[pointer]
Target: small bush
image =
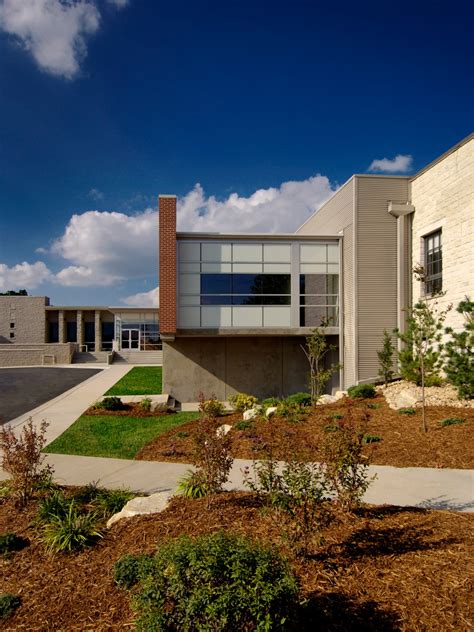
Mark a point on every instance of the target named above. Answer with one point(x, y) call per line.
point(373, 405)
point(112, 403)
point(192, 485)
point(303, 399)
point(110, 501)
point(216, 582)
point(243, 425)
point(366, 439)
point(145, 404)
point(407, 411)
point(211, 408)
point(10, 542)
point(452, 421)
point(291, 411)
point(242, 402)
point(8, 604)
point(362, 391)
point(270, 401)
point(129, 569)
point(55, 504)
point(73, 531)
point(23, 461)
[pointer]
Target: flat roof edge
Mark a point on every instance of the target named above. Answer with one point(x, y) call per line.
point(255, 236)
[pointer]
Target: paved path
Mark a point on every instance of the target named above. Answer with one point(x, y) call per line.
point(63, 410)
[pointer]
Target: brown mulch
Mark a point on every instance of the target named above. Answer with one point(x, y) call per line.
point(403, 442)
point(129, 410)
point(385, 568)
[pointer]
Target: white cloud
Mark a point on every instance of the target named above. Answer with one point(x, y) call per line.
point(81, 276)
point(272, 210)
point(400, 164)
point(143, 299)
point(95, 195)
point(23, 275)
point(53, 31)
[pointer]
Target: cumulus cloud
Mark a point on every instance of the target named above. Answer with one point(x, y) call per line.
point(143, 299)
point(400, 164)
point(81, 276)
point(53, 31)
point(23, 275)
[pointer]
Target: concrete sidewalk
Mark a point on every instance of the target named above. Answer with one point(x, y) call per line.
point(413, 487)
point(62, 411)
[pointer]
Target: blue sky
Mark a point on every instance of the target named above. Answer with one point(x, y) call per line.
point(252, 112)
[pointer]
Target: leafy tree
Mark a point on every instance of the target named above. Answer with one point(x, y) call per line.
point(421, 358)
point(316, 350)
point(459, 352)
point(385, 356)
point(13, 293)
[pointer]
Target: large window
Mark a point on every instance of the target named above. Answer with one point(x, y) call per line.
point(257, 284)
point(433, 263)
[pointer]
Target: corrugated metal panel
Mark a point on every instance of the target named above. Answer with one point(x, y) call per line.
point(334, 215)
point(349, 338)
point(376, 266)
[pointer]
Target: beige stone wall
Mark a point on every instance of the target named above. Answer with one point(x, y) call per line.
point(28, 315)
point(443, 197)
point(36, 354)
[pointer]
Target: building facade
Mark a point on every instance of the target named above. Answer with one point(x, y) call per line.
point(238, 307)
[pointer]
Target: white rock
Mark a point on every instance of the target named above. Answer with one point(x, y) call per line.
point(142, 505)
point(271, 410)
point(159, 407)
point(250, 414)
point(326, 399)
point(405, 399)
point(339, 394)
point(223, 430)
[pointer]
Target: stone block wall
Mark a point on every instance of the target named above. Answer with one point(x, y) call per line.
point(27, 315)
point(33, 354)
point(443, 197)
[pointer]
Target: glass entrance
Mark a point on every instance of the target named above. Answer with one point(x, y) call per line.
point(130, 339)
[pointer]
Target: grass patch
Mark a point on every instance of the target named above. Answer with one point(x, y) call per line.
point(141, 380)
point(115, 437)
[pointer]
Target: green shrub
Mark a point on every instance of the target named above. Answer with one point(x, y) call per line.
point(145, 404)
point(270, 401)
point(129, 569)
point(10, 542)
point(216, 582)
point(192, 485)
point(459, 352)
point(366, 439)
point(112, 403)
point(362, 391)
point(452, 421)
point(242, 402)
point(303, 399)
point(8, 604)
point(111, 501)
point(87, 493)
point(211, 407)
point(407, 411)
point(55, 504)
point(373, 405)
point(243, 425)
point(73, 531)
point(291, 411)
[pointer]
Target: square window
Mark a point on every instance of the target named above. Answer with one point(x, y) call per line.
point(12, 334)
point(12, 325)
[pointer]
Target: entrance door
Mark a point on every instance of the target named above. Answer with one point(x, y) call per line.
point(130, 339)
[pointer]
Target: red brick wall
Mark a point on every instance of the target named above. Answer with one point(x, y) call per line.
point(167, 259)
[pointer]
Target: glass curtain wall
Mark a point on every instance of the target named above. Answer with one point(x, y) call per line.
point(239, 284)
point(137, 331)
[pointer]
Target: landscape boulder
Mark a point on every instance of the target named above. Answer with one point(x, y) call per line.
point(327, 399)
point(250, 414)
point(142, 505)
point(271, 410)
point(407, 398)
point(223, 430)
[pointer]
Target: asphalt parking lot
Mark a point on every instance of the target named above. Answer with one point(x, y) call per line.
point(26, 388)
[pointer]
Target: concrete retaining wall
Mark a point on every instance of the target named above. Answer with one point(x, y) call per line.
point(36, 354)
point(261, 366)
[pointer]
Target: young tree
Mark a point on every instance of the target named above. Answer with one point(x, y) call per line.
point(316, 350)
point(459, 352)
point(385, 356)
point(421, 358)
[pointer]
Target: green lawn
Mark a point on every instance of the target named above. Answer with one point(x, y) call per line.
point(141, 380)
point(115, 437)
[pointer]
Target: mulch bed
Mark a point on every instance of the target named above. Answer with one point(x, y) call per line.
point(385, 568)
point(403, 442)
point(129, 410)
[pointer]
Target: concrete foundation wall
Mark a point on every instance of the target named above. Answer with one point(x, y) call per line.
point(36, 354)
point(223, 366)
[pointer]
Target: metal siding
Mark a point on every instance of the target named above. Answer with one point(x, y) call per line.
point(377, 267)
point(333, 216)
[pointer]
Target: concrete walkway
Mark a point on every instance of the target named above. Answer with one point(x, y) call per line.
point(63, 410)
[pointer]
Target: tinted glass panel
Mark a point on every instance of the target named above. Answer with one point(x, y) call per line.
point(216, 283)
point(247, 283)
point(53, 332)
point(256, 299)
point(71, 332)
point(215, 300)
point(276, 283)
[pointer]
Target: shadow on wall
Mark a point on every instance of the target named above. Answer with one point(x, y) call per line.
point(264, 367)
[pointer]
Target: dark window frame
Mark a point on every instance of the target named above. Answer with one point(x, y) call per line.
point(433, 262)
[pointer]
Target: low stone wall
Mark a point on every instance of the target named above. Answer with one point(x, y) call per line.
point(36, 354)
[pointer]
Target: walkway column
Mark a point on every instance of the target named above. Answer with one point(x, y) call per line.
point(80, 327)
point(61, 326)
point(98, 331)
